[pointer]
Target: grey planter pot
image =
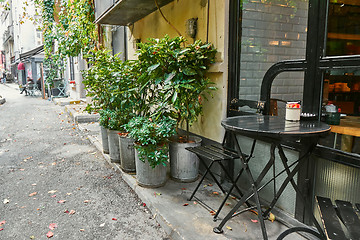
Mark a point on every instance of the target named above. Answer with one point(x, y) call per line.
point(104, 139)
point(184, 165)
point(114, 149)
point(127, 154)
point(149, 177)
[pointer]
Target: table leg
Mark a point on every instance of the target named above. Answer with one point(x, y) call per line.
point(347, 143)
point(296, 188)
point(249, 194)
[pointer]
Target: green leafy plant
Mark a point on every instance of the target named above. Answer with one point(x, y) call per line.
point(104, 118)
point(74, 31)
point(151, 138)
point(110, 83)
point(189, 85)
point(172, 78)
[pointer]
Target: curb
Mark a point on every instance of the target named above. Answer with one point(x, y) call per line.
point(131, 181)
point(80, 118)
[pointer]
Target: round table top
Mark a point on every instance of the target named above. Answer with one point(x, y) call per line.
point(274, 126)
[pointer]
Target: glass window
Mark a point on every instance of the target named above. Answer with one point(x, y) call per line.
point(341, 89)
point(343, 36)
point(271, 31)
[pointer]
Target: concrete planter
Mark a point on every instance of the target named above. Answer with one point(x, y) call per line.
point(184, 165)
point(104, 139)
point(114, 148)
point(127, 154)
point(149, 177)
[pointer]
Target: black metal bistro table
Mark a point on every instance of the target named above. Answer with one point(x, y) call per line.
point(276, 131)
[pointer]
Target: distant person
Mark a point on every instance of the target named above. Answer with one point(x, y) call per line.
point(38, 83)
point(29, 81)
point(3, 77)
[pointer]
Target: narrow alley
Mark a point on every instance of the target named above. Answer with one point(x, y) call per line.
point(54, 182)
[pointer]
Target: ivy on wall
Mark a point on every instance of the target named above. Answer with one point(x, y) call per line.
point(69, 30)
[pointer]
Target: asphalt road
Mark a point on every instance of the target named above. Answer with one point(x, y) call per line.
point(53, 180)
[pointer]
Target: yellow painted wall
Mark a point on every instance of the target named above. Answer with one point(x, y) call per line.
point(177, 12)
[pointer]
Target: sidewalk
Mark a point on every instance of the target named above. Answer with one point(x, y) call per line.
point(183, 219)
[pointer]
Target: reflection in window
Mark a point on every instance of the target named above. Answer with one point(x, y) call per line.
point(341, 91)
point(343, 36)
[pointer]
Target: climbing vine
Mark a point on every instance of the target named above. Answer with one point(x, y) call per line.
point(68, 30)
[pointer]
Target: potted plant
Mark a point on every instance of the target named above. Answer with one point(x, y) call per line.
point(102, 85)
point(152, 126)
point(189, 87)
point(151, 144)
point(104, 122)
point(179, 70)
point(126, 92)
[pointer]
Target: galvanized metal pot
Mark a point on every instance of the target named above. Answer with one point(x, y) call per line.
point(114, 148)
point(104, 139)
point(127, 154)
point(184, 165)
point(149, 177)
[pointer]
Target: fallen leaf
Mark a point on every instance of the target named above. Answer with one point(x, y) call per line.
point(272, 217)
point(185, 204)
point(72, 212)
point(52, 191)
point(2, 223)
point(114, 219)
point(50, 234)
point(32, 194)
point(254, 221)
point(52, 226)
point(229, 228)
point(61, 201)
point(6, 201)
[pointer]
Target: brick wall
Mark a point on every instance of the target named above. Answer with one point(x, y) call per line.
point(272, 33)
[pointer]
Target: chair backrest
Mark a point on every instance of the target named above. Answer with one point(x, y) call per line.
point(246, 107)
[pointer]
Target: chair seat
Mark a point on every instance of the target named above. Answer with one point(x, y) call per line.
point(214, 152)
point(332, 217)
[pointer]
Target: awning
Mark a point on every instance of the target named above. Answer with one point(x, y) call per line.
point(124, 12)
point(31, 53)
point(21, 66)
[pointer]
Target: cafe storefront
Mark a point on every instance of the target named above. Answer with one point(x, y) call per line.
point(276, 50)
point(306, 51)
